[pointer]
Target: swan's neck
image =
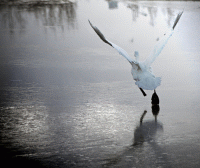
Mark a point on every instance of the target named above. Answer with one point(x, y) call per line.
point(137, 58)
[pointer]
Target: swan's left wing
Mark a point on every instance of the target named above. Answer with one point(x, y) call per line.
point(161, 44)
point(121, 51)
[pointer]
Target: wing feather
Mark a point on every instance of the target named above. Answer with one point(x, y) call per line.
point(119, 49)
point(161, 43)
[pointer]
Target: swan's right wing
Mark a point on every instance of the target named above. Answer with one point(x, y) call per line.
point(122, 52)
point(158, 48)
point(161, 43)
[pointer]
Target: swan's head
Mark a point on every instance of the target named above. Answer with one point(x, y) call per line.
point(136, 55)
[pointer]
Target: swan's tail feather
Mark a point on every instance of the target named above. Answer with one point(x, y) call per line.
point(157, 82)
point(149, 83)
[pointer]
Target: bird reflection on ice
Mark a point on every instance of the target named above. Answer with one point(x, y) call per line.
point(145, 150)
point(146, 132)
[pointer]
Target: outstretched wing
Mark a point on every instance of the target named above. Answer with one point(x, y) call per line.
point(119, 49)
point(161, 43)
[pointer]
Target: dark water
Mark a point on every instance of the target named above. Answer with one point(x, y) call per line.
point(68, 99)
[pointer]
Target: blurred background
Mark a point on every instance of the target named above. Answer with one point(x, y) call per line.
point(69, 100)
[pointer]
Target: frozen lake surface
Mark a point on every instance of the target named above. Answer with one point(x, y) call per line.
point(69, 100)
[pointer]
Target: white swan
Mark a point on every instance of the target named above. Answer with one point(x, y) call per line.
point(141, 71)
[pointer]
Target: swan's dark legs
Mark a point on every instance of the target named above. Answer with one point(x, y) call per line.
point(154, 98)
point(142, 91)
point(155, 110)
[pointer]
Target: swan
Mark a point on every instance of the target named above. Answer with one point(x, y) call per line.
point(142, 71)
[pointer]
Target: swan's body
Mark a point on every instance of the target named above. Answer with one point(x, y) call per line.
point(142, 71)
